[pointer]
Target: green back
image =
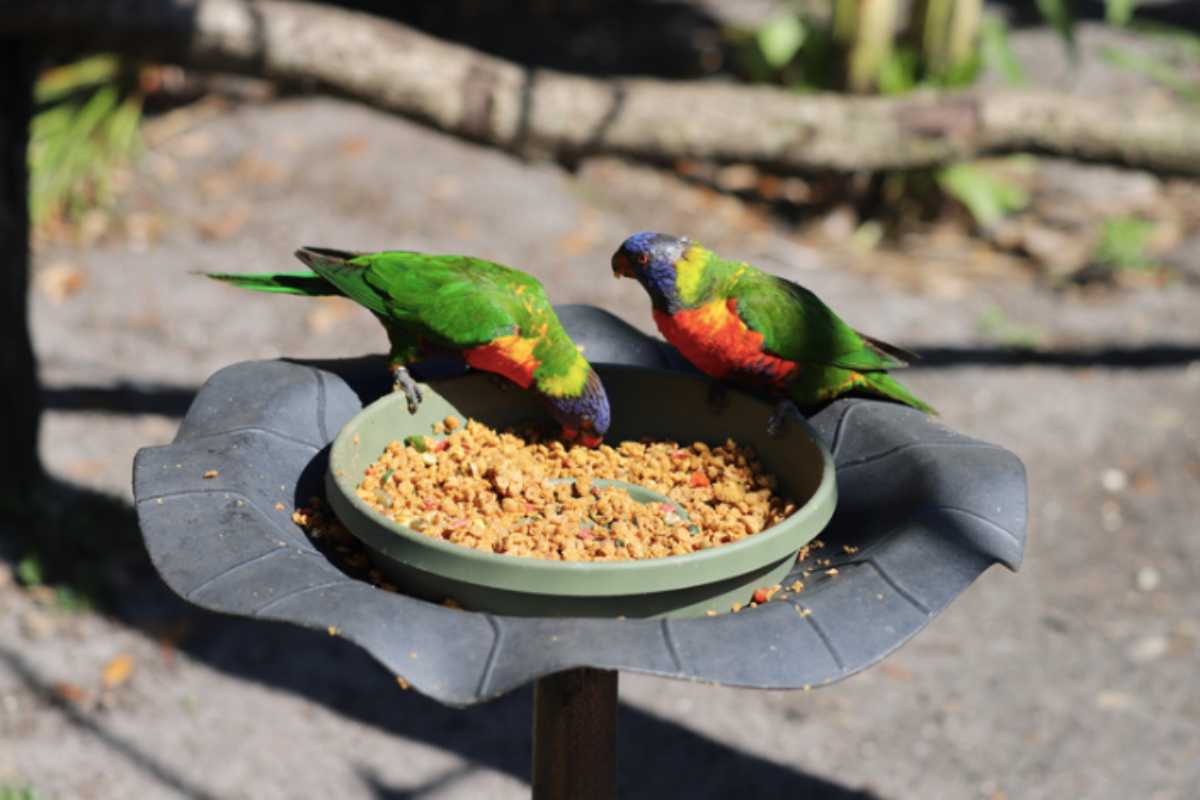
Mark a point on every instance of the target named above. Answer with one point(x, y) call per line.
point(793, 321)
point(457, 302)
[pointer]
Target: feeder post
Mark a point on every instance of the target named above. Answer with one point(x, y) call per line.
point(575, 735)
point(20, 403)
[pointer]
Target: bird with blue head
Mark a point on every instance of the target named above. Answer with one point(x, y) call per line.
point(743, 326)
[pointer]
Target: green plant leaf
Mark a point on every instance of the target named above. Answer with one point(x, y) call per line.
point(87, 126)
point(1123, 244)
point(997, 53)
point(72, 600)
point(898, 73)
point(1155, 69)
point(780, 40)
point(18, 793)
point(121, 129)
point(961, 74)
point(1061, 16)
point(50, 123)
point(1184, 40)
point(1119, 12)
point(58, 83)
point(29, 570)
point(988, 197)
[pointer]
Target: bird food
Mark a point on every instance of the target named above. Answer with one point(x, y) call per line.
point(505, 492)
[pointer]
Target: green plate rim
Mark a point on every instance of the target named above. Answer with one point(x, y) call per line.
point(539, 576)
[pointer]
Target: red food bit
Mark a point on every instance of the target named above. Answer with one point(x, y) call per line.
point(585, 534)
point(458, 523)
point(440, 445)
point(679, 454)
point(699, 479)
point(428, 505)
point(761, 596)
point(666, 508)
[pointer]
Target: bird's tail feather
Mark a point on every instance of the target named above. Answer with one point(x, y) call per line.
point(324, 256)
point(309, 284)
point(883, 384)
point(901, 356)
point(348, 272)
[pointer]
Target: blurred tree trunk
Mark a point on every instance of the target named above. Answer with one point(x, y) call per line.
point(20, 403)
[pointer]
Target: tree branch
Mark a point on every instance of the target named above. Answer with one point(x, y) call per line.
point(487, 99)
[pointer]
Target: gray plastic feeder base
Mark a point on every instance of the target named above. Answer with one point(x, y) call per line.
point(928, 510)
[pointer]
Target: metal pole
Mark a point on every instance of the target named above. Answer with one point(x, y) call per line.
point(575, 735)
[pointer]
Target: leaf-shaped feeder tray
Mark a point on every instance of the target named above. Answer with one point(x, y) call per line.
point(922, 512)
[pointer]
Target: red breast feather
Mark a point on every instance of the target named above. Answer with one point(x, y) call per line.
point(510, 356)
point(716, 341)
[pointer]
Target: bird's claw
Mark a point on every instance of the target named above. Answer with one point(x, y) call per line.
point(718, 396)
point(778, 419)
point(403, 382)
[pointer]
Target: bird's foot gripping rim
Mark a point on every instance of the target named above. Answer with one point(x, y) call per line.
point(402, 381)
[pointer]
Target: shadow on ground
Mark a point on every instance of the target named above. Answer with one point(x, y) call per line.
point(173, 401)
point(90, 542)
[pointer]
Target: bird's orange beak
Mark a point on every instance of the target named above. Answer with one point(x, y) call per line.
point(621, 266)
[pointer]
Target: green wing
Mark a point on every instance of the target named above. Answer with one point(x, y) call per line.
point(460, 301)
point(796, 325)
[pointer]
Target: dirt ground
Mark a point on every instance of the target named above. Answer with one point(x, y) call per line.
point(1073, 679)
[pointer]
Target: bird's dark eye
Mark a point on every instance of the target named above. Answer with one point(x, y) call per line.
point(643, 259)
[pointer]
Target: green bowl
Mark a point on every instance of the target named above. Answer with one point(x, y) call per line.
point(645, 402)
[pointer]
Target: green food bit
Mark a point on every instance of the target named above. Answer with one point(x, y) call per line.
point(418, 443)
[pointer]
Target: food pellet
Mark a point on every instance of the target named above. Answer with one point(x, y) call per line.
point(507, 493)
point(765, 593)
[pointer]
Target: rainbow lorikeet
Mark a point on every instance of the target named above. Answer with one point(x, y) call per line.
point(741, 325)
point(495, 318)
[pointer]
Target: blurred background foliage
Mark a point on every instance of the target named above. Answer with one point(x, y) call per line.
point(893, 47)
point(86, 133)
point(888, 47)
